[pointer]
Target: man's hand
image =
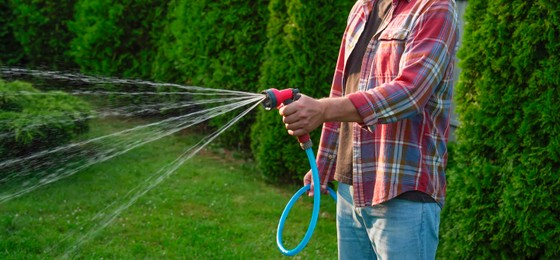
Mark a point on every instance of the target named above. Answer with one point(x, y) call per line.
point(308, 179)
point(303, 116)
point(306, 114)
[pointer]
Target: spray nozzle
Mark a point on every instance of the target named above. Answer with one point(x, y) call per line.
point(276, 98)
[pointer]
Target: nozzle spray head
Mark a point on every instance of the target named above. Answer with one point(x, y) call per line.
point(276, 98)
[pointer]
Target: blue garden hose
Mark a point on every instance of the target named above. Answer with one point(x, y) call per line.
point(314, 214)
point(275, 99)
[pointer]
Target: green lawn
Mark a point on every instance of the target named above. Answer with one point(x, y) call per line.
point(213, 207)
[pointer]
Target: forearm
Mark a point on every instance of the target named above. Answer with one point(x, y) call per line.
point(339, 109)
point(307, 113)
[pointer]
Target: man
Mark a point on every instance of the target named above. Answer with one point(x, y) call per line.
point(385, 127)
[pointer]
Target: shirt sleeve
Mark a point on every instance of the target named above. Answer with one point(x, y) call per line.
point(428, 51)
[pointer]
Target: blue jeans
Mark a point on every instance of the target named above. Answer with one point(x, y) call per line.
point(396, 229)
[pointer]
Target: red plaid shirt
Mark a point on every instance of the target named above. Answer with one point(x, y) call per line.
point(404, 100)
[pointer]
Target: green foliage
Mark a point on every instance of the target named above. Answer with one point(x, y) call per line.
point(216, 45)
point(36, 32)
point(503, 194)
point(116, 38)
point(119, 39)
point(303, 41)
point(12, 51)
point(33, 122)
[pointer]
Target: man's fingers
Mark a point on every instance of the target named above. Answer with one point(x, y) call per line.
point(297, 132)
point(286, 110)
point(308, 180)
point(324, 189)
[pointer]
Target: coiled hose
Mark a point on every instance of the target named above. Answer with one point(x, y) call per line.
point(314, 214)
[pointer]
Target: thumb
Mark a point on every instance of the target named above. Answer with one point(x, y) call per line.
point(308, 180)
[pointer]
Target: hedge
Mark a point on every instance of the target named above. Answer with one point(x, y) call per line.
point(303, 42)
point(503, 194)
point(12, 50)
point(36, 33)
point(116, 38)
point(37, 120)
point(215, 45)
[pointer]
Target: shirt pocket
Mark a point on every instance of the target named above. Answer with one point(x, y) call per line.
point(391, 46)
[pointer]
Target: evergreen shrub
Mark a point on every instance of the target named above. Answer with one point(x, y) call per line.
point(504, 186)
point(12, 51)
point(36, 121)
point(215, 44)
point(303, 42)
point(36, 33)
point(116, 38)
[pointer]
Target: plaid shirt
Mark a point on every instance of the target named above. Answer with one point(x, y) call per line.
point(404, 100)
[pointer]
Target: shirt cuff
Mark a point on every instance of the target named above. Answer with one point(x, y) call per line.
point(365, 109)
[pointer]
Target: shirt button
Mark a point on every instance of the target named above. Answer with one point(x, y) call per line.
point(330, 157)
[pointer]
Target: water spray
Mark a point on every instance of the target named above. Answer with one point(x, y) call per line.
point(275, 99)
